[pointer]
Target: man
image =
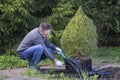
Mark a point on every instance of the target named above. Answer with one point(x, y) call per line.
point(35, 47)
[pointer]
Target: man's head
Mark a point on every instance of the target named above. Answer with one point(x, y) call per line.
point(44, 29)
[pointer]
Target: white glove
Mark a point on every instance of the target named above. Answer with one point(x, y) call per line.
point(58, 63)
point(59, 50)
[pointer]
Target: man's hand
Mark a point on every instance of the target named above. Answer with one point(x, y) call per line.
point(58, 63)
point(59, 50)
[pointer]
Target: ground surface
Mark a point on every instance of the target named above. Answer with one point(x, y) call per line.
point(16, 74)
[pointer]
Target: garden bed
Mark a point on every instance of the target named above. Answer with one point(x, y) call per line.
point(113, 73)
point(60, 72)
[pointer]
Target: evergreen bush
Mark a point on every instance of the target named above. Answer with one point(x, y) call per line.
point(80, 36)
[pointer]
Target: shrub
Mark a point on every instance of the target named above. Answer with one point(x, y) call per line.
point(80, 35)
point(11, 61)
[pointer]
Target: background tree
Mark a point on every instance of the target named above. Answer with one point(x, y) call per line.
point(17, 17)
point(61, 14)
point(106, 16)
point(14, 19)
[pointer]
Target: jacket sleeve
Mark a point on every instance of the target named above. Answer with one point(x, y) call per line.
point(39, 41)
point(49, 44)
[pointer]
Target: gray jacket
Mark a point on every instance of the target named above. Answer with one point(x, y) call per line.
point(34, 38)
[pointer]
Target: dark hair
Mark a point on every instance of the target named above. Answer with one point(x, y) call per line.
point(44, 26)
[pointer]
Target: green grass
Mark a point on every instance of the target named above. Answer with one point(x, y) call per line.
point(11, 61)
point(2, 77)
point(106, 54)
point(61, 76)
point(45, 62)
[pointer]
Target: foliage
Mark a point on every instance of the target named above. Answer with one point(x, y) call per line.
point(2, 77)
point(31, 72)
point(11, 61)
point(80, 35)
point(106, 54)
point(105, 14)
point(61, 15)
point(43, 8)
point(17, 17)
point(61, 76)
point(14, 17)
point(86, 77)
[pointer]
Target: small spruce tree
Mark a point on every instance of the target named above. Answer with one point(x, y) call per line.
point(80, 36)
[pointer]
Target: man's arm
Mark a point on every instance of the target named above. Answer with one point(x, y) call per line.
point(48, 54)
point(39, 41)
point(49, 44)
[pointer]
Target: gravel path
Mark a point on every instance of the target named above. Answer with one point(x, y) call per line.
point(16, 74)
point(108, 64)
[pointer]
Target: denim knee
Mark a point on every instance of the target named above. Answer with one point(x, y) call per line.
point(20, 54)
point(39, 47)
point(29, 53)
point(39, 50)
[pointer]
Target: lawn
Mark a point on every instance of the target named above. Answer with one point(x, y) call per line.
point(106, 54)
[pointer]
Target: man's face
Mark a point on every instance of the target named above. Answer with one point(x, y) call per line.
point(45, 33)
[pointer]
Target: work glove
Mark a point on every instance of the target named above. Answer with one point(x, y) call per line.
point(59, 50)
point(58, 63)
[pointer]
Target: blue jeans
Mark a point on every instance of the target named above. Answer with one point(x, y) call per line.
point(34, 54)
